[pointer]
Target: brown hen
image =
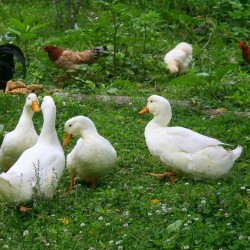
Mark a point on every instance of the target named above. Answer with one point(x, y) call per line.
point(71, 60)
point(245, 51)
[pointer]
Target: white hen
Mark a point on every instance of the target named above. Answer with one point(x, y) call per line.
point(93, 156)
point(22, 137)
point(40, 167)
point(179, 58)
point(185, 151)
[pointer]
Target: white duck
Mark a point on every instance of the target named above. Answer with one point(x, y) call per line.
point(93, 156)
point(40, 167)
point(184, 151)
point(179, 58)
point(22, 137)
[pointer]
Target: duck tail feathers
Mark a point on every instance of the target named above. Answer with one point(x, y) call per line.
point(235, 154)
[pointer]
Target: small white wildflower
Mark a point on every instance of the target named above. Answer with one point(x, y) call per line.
point(64, 104)
point(125, 225)
point(248, 190)
point(100, 218)
point(76, 26)
point(189, 215)
point(218, 193)
point(185, 225)
point(170, 209)
point(248, 237)
point(189, 222)
point(125, 213)
point(80, 232)
point(125, 235)
point(184, 209)
point(203, 202)
point(243, 188)
point(164, 208)
point(228, 224)
point(241, 237)
point(82, 225)
point(107, 224)
point(196, 218)
point(111, 242)
point(186, 247)
point(47, 244)
point(118, 242)
point(221, 209)
point(226, 215)
point(25, 232)
point(158, 212)
point(149, 214)
point(186, 183)
point(5, 246)
point(219, 183)
point(91, 248)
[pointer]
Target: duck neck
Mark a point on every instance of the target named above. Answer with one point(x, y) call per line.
point(26, 118)
point(87, 133)
point(48, 133)
point(162, 118)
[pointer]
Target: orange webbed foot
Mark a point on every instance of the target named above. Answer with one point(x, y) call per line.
point(170, 175)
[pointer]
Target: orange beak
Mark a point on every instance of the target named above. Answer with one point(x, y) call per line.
point(143, 111)
point(67, 138)
point(35, 106)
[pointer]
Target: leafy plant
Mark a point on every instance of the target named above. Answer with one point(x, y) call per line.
point(24, 30)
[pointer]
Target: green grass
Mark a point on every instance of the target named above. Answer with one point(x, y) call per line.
point(128, 209)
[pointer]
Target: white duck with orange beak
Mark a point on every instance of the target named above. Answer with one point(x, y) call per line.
point(22, 137)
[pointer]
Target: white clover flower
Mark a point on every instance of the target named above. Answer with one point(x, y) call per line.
point(149, 214)
point(184, 209)
point(243, 188)
point(226, 215)
point(158, 212)
point(25, 232)
point(186, 247)
point(241, 237)
point(203, 202)
point(186, 183)
point(196, 218)
point(82, 225)
point(111, 242)
point(185, 225)
point(118, 242)
point(125, 213)
point(5, 246)
point(107, 224)
point(125, 225)
point(100, 218)
point(164, 208)
point(120, 247)
point(229, 224)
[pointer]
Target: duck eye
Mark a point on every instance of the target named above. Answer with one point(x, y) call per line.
point(70, 125)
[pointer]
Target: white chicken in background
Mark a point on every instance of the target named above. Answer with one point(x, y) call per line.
point(179, 58)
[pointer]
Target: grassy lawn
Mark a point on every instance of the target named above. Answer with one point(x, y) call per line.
point(129, 209)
